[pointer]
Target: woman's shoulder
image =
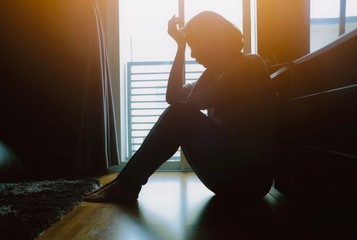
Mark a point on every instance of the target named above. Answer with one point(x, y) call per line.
point(248, 64)
point(248, 59)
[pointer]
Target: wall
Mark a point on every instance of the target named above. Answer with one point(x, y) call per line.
point(283, 30)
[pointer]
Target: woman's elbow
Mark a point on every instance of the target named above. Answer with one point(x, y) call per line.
point(174, 98)
point(171, 99)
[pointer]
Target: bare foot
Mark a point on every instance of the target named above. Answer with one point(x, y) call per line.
point(112, 192)
point(102, 187)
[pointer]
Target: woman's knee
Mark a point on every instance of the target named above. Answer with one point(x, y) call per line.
point(182, 108)
point(179, 112)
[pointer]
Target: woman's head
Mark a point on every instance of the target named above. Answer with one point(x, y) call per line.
point(212, 37)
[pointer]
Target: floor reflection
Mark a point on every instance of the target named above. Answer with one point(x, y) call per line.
point(216, 219)
point(226, 219)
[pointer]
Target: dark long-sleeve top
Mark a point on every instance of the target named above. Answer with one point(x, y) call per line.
point(241, 100)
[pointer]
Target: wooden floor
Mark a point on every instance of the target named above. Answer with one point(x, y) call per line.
point(176, 206)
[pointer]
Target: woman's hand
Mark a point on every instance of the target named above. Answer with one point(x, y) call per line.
point(173, 30)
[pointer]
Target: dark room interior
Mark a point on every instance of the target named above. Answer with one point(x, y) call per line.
point(58, 121)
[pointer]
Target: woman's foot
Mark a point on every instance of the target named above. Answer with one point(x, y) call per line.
point(112, 192)
point(102, 187)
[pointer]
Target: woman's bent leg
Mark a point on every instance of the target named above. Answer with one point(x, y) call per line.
point(204, 143)
point(161, 143)
point(176, 124)
point(208, 148)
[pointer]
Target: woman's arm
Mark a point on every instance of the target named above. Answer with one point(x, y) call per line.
point(241, 81)
point(175, 91)
point(248, 79)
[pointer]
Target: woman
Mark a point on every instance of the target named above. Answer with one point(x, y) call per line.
point(231, 150)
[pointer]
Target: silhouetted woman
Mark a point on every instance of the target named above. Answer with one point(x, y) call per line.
point(232, 149)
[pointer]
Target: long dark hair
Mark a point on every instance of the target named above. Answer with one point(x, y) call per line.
point(213, 27)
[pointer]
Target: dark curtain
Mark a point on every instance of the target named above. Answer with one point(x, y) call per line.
point(57, 117)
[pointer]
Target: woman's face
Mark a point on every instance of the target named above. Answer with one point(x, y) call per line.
point(203, 51)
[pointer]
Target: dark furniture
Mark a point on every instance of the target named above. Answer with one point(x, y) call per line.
point(317, 97)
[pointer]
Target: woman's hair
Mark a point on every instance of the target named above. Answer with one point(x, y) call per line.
point(211, 26)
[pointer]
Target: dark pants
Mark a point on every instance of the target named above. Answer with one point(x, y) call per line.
point(209, 150)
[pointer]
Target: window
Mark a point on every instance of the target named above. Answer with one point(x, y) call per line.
point(146, 54)
point(329, 19)
point(351, 15)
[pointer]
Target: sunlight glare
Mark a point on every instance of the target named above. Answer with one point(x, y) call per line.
point(331, 8)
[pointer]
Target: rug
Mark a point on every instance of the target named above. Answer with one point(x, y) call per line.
point(29, 208)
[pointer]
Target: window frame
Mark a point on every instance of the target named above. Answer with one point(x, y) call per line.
point(249, 31)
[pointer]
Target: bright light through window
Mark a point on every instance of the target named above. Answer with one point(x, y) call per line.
point(325, 8)
point(146, 52)
point(351, 8)
point(325, 21)
point(143, 25)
